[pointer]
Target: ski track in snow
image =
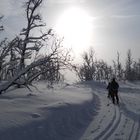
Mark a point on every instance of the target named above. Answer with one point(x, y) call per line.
point(77, 112)
point(114, 122)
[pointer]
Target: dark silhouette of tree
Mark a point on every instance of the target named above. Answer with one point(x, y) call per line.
point(16, 70)
point(118, 71)
point(1, 26)
point(138, 68)
point(4, 54)
point(128, 69)
point(103, 71)
point(30, 42)
point(87, 69)
point(91, 68)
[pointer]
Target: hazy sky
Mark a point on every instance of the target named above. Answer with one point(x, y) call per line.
point(108, 25)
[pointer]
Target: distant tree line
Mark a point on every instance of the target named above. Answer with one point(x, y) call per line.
point(21, 60)
point(93, 69)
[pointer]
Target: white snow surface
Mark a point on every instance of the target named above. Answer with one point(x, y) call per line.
point(70, 112)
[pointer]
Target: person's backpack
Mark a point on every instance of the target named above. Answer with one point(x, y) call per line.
point(114, 86)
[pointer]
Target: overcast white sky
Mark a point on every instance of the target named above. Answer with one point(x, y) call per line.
point(116, 23)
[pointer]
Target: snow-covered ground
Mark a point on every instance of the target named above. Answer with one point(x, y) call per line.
point(115, 122)
point(70, 112)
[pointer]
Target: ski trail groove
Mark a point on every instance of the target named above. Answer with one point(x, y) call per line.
point(108, 131)
point(114, 126)
point(138, 131)
point(108, 127)
point(132, 131)
point(121, 123)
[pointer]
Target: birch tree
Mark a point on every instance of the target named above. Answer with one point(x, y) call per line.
point(129, 62)
point(27, 43)
point(34, 23)
point(1, 26)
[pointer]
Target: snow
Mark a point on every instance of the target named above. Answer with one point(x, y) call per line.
point(70, 112)
point(115, 122)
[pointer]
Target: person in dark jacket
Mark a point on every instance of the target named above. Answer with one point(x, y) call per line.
point(114, 86)
point(109, 89)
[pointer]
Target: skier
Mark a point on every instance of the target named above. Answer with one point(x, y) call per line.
point(114, 86)
point(109, 90)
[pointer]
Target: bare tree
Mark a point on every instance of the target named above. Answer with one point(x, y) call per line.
point(138, 65)
point(129, 62)
point(14, 57)
point(57, 56)
point(30, 42)
point(117, 68)
point(87, 70)
point(1, 26)
point(4, 52)
point(135, 72)
point(103, 71)
point(93, 69)
point(22, 48)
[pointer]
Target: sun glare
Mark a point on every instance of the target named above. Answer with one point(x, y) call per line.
point(76, 27)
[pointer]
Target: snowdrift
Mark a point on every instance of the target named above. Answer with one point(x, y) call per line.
point(55, 114)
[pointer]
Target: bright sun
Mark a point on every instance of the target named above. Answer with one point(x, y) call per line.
point(76, 27)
